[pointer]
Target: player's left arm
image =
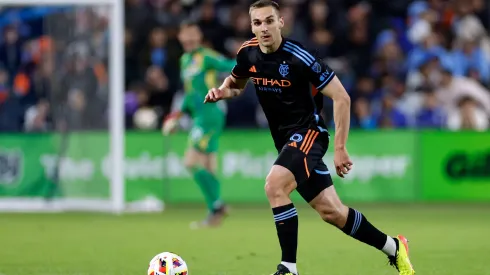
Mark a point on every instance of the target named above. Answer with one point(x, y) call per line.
point(327, 83)
point(341, 109)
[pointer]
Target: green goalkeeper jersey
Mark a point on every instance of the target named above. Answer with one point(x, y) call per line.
point(199, 70)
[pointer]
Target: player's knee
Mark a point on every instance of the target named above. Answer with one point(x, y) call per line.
point(273, 190)
point(192, 163)
point(279, 183)
point(193, 160)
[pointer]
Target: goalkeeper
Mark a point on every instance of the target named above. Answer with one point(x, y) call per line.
point(199, 67)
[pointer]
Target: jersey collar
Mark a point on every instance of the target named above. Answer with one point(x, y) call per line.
point(278, 49)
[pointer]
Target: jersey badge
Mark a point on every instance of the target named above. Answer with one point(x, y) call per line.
point(284, 69)
point(316, 68)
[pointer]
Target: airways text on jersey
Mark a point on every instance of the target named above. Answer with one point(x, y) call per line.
point(270, 85)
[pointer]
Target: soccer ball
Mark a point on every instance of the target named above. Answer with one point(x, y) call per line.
point(167, 263)
point(145, 119)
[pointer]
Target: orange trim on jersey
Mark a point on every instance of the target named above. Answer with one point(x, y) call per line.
point(249, 43)
point(314, 91)
point(237, 76)
point(306, 168)
point(307, 137)
point(252, 69)
point(312, 140)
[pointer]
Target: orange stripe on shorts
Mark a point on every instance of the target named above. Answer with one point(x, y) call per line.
point(305, 141)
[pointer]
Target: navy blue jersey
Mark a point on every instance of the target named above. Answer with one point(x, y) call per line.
point(283, 82)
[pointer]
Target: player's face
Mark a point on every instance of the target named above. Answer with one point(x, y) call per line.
point(266, 25)
point(190, 38)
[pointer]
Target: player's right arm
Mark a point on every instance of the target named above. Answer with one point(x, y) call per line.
point(235, 83)
point(230, 88)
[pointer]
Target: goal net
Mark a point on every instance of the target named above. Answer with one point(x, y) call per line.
point(74, 160)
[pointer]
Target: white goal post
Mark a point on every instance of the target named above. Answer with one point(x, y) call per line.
point(116, 202)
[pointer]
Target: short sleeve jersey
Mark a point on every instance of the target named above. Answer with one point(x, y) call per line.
point(287, 82)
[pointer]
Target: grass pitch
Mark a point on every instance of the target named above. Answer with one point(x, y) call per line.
point(444, 239)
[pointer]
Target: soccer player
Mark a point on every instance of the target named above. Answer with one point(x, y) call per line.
point(282, 72)
point(199, 66)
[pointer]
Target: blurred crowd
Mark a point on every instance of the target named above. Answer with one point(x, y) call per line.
point(405, 64)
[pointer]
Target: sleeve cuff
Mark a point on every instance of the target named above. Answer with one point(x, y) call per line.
point(237, 76)
point(324, 83)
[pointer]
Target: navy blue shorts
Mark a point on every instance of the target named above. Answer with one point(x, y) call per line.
point(303, 156)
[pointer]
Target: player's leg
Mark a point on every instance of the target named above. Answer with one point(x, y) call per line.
point(289, 170)
point(194, 162)
point(220, 210)
point(320, 193)
point(280, 182)
point(204, 145)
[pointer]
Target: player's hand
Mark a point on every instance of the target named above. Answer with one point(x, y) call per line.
point(342, 162)
point(214, 95)
point(170, 124)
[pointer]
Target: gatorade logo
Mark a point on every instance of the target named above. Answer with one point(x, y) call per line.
point(468, 166)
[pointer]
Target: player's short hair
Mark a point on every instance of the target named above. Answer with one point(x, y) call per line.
point(265, 3)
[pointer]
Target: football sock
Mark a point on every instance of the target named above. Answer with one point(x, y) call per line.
point(286, 219)
point(290, 266)
point(214, 189)
point(358, 227)
point(201, 176)
point(390, 246)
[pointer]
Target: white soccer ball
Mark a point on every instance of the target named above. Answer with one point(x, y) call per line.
point(146, 119)
point(167, 263)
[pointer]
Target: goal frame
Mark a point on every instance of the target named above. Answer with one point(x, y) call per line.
point(116, 202)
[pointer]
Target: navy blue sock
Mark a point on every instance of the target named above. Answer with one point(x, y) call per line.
point(286, 219)
point(359, 228)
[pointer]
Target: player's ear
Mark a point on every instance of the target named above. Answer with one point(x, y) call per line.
point(281, 22)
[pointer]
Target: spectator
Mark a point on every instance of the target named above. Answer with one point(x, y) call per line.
point(468, 116)
point(390, 116)
point(365, 119)
point(11, 51)
point(431, 115)
point(159, 94)
point(452, 88)
point(36, 117)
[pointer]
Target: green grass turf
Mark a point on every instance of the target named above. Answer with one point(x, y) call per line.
point(445, 240)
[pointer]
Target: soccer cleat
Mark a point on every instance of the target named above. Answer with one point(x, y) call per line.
point(282, 270)
point(214, 219)
point(401, 260)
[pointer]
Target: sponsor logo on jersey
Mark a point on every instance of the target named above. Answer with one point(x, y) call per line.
point(324, 75)
point(282, 83)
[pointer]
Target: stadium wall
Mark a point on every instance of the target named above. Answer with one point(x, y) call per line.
point(389, 166)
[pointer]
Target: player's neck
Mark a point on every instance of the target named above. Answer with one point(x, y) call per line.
point(272, 48)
